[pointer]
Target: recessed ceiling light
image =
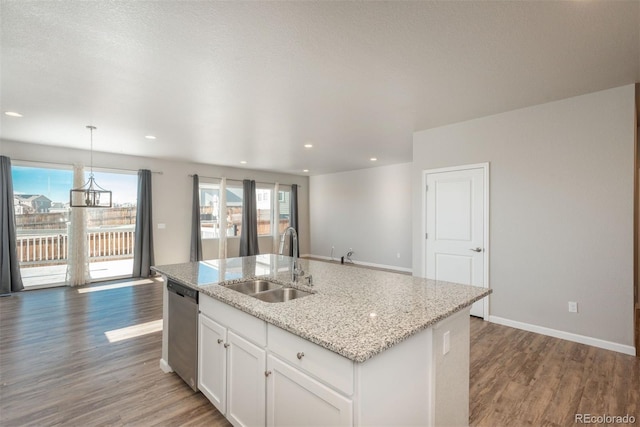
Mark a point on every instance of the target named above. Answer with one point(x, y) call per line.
point(243, 162)
point(12, 114)
point(308, 145)
point(373, 159)
point(150, 137)
point(305, 170)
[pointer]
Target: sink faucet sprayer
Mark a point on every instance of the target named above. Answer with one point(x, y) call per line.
point(297, 271)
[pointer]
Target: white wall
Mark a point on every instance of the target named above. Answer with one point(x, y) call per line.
point(171, 195)
point(561, 209)
point(368, 210)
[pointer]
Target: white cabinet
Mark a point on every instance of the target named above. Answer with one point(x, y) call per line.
point(245, 390)
point(212, 361)
point(305, 382)
point(296, 399)
point(231, 373)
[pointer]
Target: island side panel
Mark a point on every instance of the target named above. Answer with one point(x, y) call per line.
point(451, 391)
point(415, 383)
point(394, 387)
point(164, 365)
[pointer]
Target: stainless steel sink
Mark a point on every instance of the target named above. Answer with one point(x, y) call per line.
point(254, 286)
point(267, 291)
point(281, 295)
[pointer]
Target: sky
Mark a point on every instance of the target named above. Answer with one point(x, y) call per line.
point(56, 183)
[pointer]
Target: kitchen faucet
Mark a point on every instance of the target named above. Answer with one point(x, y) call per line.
point(297, 271)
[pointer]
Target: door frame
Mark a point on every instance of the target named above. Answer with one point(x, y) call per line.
point(423, 264)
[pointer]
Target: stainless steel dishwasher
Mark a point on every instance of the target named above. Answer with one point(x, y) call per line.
point(183, 332)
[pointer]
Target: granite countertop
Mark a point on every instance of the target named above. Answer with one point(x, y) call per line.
point(355, 312)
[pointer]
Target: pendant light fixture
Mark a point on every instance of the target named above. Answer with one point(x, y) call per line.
point(90, 195)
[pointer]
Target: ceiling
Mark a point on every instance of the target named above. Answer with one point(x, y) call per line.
point(224, 82)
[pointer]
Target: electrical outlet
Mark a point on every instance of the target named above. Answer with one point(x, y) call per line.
point(398, 255)
point(573, 307)
point(446, 342)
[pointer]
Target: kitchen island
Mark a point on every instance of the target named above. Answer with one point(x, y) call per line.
point(366, 348)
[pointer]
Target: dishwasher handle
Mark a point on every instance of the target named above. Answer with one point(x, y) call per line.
point(183, 291)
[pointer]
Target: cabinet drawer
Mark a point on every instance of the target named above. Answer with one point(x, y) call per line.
point(326, 365)
point(243, 323)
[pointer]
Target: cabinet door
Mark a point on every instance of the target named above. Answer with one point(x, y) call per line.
point(295, 399)
point(246, 392)
point(212, 361)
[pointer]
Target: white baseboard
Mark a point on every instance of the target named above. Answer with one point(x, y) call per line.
point(582, 339)
point(164, 366)
point(366, 264)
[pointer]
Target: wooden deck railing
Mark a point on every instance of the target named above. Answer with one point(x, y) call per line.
point(52, 249)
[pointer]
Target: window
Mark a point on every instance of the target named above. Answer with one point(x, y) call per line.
point(234, 210)
point(210, 211)
point(264, 211)
point(284, 199)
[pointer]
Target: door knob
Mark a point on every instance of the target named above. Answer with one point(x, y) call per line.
point(476, 249)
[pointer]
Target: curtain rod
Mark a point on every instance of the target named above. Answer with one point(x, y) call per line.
point(239, 180)
point(71, 164)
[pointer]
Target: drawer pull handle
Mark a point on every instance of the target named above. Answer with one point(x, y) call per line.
point(226, 345)
point(300, 355)
point(267, 373)
point(220, 341)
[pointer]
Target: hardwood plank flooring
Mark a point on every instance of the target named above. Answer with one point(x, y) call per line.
point(520, 378)
point(57, 368)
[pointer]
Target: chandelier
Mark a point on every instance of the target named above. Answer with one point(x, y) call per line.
point(90, 195)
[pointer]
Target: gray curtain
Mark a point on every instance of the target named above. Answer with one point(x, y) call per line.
point(10, 278)
point(196, 235)
point(249, 232)
point(143, 248)
point(294, 217)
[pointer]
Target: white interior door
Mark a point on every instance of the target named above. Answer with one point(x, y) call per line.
point(455, 224)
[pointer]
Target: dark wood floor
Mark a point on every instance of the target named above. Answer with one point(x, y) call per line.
point(520, 378)
point(57, 367)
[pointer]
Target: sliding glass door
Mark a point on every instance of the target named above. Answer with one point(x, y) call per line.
point(41, 204)
point(111, 231)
